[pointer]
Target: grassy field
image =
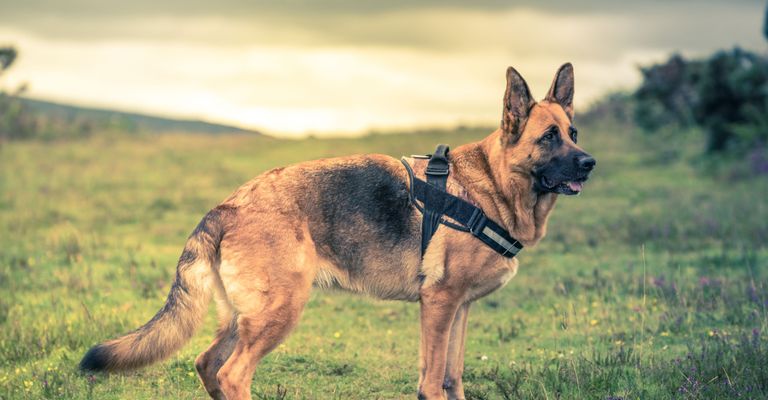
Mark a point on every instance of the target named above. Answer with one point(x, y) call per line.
point(650, 285)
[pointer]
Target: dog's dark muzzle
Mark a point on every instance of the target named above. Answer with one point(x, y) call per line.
point(564, 175)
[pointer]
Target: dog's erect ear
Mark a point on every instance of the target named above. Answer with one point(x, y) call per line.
point(561, 91)
point(517, 104)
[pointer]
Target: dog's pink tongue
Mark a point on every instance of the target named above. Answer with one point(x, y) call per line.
point(575, 186)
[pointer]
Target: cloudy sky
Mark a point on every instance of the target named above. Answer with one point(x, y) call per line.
point(347, 66)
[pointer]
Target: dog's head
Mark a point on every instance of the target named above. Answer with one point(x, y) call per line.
point(539, 138)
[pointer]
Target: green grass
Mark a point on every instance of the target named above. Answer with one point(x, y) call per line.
point(651, 284)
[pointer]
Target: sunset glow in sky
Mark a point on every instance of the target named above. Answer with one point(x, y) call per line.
point(343, 66)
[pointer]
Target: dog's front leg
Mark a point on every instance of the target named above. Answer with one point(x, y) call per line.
point(438, 309)
point(452, 383)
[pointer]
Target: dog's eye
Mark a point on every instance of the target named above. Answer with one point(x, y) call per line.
point(549, 135)
point(574, 134)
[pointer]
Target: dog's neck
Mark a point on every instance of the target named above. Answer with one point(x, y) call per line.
point(506, 197)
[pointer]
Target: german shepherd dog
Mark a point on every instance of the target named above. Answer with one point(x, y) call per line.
point(349, 223)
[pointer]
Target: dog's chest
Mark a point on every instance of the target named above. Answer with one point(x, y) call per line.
point(492, 277)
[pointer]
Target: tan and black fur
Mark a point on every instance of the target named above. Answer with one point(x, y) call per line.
point(348, 223)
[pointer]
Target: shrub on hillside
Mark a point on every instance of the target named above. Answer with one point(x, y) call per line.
point(15, 120)
point(726, 95)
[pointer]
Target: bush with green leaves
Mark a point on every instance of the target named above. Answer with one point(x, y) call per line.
point(725, 94)
point(15, 120)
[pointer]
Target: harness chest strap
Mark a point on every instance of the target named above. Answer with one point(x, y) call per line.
point(438, 203)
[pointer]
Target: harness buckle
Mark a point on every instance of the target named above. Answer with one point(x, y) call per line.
point(437, 170)
point(477, 222)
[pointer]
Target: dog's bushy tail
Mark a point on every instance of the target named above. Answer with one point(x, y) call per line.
point(184, 309)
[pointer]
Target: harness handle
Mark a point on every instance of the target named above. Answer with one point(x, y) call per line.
point(438, 162)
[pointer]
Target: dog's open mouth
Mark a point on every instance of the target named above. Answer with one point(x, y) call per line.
point(568, 188)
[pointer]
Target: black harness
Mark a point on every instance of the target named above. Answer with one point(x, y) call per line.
point(438, 203)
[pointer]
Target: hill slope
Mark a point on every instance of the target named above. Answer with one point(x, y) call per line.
point(128, 121)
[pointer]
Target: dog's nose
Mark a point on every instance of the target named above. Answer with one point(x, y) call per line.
point(586, 162)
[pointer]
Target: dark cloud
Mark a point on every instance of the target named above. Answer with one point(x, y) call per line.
point(681, 25)
point(37, 14)
point(313, 7)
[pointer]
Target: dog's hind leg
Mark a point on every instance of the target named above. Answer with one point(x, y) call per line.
point(259, 332)
point(210, 361)
point(454, 368)
point(268, 282)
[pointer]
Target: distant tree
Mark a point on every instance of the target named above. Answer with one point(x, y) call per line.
point(7, 57)
point(733, 93)
point(666, 95)
point(765, 24)
point(15, 120)
point(725, 94)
